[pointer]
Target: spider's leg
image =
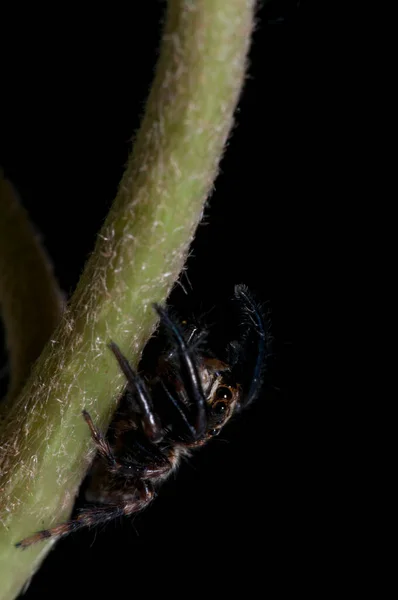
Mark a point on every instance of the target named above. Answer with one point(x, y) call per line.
point(189, 371)
point(103, 448)
point(234, 353)
point(94, 516)
point(183, 414)
point(151, 423)
point(146, 459)
point(100, 441)
point(255, 318)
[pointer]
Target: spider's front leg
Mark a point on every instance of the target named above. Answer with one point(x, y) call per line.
point(151, 424)
point(258, 334)
point(194, 417)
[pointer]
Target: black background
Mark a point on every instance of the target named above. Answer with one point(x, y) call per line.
point(233, 514)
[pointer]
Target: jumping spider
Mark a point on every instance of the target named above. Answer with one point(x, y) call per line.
point(159, 420)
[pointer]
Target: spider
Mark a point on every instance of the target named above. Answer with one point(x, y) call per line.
point(160, 419)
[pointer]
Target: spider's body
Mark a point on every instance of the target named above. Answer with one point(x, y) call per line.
point(186, 402)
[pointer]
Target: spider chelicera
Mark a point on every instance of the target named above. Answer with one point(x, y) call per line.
point(186, 403)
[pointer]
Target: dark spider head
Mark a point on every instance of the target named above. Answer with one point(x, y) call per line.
point(245, 363)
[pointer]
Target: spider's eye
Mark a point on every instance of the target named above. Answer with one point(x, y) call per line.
point(223, 393)
point(223, 396)
point(220, 407)
point(214, 432)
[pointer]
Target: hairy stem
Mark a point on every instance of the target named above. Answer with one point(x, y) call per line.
point(45, 445)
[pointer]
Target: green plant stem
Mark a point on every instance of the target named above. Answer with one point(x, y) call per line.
point(45, 444)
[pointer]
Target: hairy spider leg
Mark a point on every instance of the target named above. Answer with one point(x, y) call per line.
point(190, 372)
point(151, 423)
point(114, 465)
point(100, 442)
point(253, 313)
point(183, 414)
point(234, 353)
point(95, 516)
